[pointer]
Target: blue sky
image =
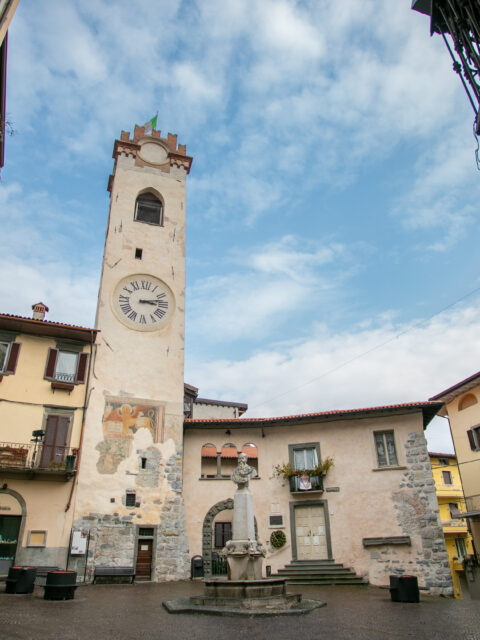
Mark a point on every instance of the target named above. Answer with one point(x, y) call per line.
point(332, 204)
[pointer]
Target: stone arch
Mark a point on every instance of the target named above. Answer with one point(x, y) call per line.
point(23, 506)
point(207, 532)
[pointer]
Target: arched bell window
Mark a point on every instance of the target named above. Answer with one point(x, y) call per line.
point(149, 208)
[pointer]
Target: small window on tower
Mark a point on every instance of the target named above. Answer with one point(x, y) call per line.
point(149, 208)
point(138, 254)
point(130, 498)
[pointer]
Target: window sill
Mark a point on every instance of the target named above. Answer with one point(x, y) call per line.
point(397, 468)
point(225, 478)
point(305, 492)
point(63, 386)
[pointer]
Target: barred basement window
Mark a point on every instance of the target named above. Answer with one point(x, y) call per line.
point(130, 498)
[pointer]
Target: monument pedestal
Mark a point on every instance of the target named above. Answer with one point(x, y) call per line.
point(245, 567)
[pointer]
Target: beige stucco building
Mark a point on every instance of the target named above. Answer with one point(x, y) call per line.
point(44, 370)
point(462, 406)
point(375, 512)
point(451, 503)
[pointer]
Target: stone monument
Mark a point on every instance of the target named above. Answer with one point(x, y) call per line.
point(244, 552)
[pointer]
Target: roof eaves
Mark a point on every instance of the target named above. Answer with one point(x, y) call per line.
point(429, 410)
point(458, 388)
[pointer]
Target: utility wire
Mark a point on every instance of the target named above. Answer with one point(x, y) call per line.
point(365, 353)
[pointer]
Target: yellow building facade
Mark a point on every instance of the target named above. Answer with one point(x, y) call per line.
point(451, 503)
point(44, 370)
point(462, 406)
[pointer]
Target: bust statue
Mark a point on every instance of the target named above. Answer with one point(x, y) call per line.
point(243, 472)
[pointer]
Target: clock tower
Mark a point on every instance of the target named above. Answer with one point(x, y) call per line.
point(129, 503)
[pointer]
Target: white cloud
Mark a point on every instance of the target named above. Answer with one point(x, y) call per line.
point(328, 371)
point(38, 232)
point(271, 285)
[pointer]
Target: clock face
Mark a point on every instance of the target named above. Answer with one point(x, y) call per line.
point(143, 302)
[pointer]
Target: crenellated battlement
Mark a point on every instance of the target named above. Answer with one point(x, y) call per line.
point(170, 140)
point(172, 154)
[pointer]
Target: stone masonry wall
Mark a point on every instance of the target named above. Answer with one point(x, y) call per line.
point(113, 537)
point(172, 557)
point(418, 515)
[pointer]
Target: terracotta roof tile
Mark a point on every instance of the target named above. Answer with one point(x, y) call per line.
point(432, 408)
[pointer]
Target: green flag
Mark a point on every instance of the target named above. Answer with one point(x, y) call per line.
point(151, 124)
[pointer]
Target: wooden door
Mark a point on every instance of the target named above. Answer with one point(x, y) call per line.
point(311, 534)
point(144, 559)
point(55, 441)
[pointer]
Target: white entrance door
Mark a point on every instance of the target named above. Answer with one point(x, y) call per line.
point(311, 533)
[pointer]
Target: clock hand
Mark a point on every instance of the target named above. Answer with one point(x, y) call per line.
point(149, 301)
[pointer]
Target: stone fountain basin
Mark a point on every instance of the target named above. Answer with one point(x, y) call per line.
point(261, 597)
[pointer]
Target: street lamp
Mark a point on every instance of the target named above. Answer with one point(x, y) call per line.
point(460, 20)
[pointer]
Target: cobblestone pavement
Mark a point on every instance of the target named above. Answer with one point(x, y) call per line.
point(135, 612)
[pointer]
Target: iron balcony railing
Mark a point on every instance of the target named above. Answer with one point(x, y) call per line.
point(37, 456)
point(304, 484)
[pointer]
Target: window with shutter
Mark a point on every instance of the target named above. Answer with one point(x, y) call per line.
point(474, 438)
point(9, 357)
point(4, 349)
point(66, 367)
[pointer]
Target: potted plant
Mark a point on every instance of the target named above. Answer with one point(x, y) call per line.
point(287, 471)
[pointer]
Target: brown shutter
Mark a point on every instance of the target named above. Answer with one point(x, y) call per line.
point(81, 368)
point(471, 440)
point(12, 357)
point(51, 364)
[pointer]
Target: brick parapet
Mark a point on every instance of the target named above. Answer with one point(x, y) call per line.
point(177, 153)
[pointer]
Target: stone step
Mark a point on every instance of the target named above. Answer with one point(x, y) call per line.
point(314, 563)
point(316, 570)
point(327, 581)
point(326, 572)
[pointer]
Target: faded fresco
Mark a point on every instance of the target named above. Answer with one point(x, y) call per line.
point(121, 421)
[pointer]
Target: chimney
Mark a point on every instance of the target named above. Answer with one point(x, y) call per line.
point(39, 310)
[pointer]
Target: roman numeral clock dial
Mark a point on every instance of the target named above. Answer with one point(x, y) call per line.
point(143, 302)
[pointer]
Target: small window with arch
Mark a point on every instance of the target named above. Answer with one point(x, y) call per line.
point(229, 459)
point(209, 461)
point(149, 209)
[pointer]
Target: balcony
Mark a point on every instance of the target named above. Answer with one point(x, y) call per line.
point(30, 460)
point(306, 484)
